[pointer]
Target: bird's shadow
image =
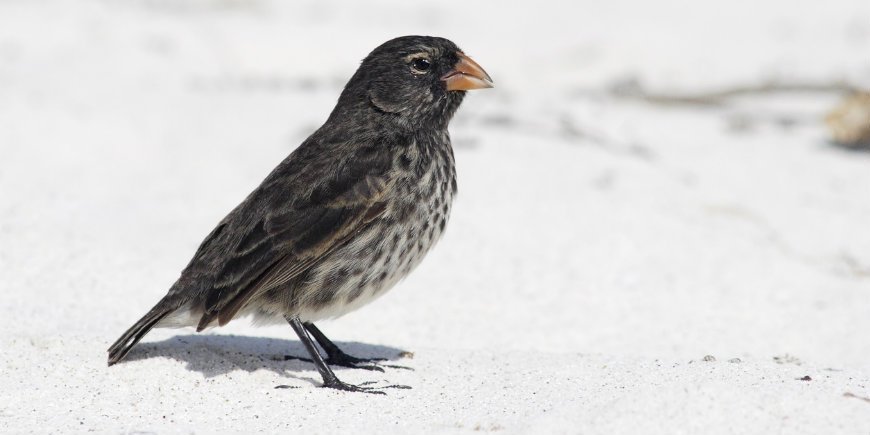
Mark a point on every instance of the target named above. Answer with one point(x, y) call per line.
point(215, 355)
point(862, 147)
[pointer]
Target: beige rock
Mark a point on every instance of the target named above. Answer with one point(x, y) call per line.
point(849, 122)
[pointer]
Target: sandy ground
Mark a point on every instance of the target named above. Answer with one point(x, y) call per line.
point(601, 247)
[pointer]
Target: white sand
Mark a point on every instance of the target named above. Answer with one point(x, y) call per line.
point(599, 249)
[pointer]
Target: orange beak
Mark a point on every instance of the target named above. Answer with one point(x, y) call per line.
point(466, 75)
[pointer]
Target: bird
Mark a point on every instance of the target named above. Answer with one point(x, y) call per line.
point(344, 217)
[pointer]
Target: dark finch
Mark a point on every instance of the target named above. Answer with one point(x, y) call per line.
point(344, 217)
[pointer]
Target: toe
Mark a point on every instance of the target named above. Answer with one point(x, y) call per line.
point(339, 385)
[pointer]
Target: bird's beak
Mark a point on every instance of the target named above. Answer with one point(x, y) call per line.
point(466, 75)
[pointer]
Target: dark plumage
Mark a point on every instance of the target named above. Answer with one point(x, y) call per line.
point(345, 216)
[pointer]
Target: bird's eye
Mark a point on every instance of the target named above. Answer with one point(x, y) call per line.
point(420, 65)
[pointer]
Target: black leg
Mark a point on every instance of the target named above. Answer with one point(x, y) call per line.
point(329, 378)
point(335, 356)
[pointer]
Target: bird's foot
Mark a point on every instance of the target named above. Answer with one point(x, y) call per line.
point(344, 360)
point(343, 386)
point(398, 387)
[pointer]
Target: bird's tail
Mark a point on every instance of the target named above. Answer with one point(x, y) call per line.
point(119, 350)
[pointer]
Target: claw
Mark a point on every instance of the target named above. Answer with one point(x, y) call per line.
point(345, 360)
point(343, 386)
point(371, 367)
point(392, 366)
point(398, 387)
point(350, 362)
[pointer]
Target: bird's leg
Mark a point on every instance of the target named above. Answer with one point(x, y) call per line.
point(335, 356)
point(329, 378)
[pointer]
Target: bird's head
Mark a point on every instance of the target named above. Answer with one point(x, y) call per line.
point(414, 80)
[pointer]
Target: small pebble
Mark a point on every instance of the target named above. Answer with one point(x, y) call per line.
point(849, 122)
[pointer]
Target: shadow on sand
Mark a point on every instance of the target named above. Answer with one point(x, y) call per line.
point(215, 355)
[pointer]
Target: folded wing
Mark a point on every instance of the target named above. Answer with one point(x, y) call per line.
point(280, 231)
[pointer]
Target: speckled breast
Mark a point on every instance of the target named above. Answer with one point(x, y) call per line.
point(390, 248)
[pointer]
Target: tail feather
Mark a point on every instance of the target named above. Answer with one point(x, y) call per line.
point(119, 350)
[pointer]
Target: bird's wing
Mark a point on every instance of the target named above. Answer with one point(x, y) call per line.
point(281, 230)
